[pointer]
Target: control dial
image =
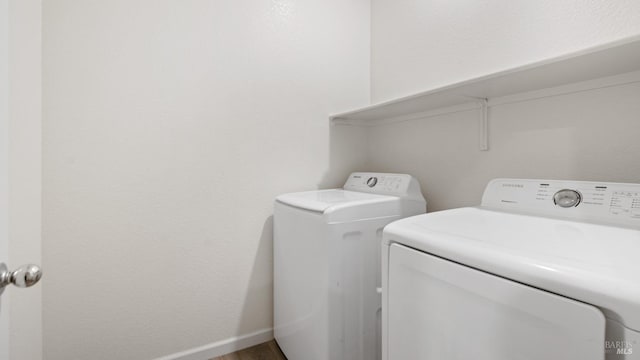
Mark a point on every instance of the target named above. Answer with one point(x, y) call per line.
point(372, 181)
point(567, 198)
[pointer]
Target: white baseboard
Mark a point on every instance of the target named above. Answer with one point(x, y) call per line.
point(223, 347)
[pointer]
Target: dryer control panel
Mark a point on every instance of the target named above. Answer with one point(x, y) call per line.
point(580, 200)
point(401, 185)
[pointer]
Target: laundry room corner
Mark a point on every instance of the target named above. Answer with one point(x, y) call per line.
point(319, 180)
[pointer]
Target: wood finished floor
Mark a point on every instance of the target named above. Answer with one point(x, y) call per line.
point(266, 351)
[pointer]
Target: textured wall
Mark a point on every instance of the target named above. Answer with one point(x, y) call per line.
point(169, 128)
point(419, 45)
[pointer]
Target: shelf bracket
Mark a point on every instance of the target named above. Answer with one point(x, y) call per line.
point(484, 124)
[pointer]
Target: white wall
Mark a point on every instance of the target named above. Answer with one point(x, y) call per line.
point(418, 45)
point(169, 128)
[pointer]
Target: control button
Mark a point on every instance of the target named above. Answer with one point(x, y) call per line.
point(372, 181)
point(567, 198)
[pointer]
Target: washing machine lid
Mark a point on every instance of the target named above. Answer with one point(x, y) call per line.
point(359, 189)
point(365, 195)
point(331, 200)
point(594, 263)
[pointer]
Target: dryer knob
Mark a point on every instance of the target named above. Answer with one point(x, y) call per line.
point(567, 198)
point(372, 181)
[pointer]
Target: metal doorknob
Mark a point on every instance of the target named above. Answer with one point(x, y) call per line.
point(24, 276)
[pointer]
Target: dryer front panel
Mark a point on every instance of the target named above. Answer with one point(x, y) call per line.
point(438, 309)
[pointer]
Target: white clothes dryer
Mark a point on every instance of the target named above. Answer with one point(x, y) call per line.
point(327, 265)
point(541, 270)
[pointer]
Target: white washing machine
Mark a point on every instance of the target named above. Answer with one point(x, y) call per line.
point(327, 265)
point(541, 270)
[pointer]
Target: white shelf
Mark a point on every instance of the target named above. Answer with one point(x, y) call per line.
point(599, 62)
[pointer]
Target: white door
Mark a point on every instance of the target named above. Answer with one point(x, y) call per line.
point(439, 309)
point(4, 168)
point(24, 87)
